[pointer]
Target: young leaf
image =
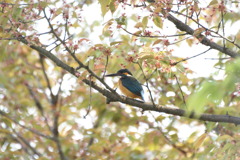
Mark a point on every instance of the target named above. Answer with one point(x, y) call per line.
point(145, 22)
point(104, 6)
point(157, 41)
point(199, 141)
point(158, 21)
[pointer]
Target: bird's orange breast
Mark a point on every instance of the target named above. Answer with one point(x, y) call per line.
point(126, 92)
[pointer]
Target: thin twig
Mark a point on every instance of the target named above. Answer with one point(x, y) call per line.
point(59, 88)
point(150, 76)
point(66, 30)
point(38, 105)
point(166, 137)
point(217, 58)
point(47, 79)
point(12, 4)
point(180, 90)
point(24, 147)
point(197, 15)
point(39, 34)
point(27, 128)
point(223, 27)
point(180, 40)
point(185, 59)
point(207, 29)
point(137, 35)
point(26, 142)
point(105, 68)
point(55, 46)
point(186, 13)
point(13, 38)
point(56, 135)
point(81, 65)
point(96, 125)
point(147, 85)
point(90, 99)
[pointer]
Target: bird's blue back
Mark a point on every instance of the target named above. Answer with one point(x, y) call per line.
point(132, 85)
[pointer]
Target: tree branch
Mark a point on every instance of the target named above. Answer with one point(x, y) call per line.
point(183, 27)
point(207, 29)
point(72, 53)
point(38, 105)
point(26, 142)
point(24, 147)
point(167, 139)
point(161, 109)
point(53, 98)
point(27, 128)
point(114, 97)
point(49, 55)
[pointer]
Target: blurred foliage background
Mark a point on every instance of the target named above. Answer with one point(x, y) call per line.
point(47, 113)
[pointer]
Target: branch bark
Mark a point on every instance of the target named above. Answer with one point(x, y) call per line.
point(205, 41)
point(49, 55)
point(158, 108)
point(114, 97)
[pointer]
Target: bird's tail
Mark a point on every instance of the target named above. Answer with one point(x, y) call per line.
point(142, 95)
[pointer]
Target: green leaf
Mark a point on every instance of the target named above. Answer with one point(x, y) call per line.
point(121, 20)
point(137, 33)
point(43, 4)
point(112, 7)
point(210, 91)
point(198, 31)
point(190, 42)
point(75, 24)
point(104, 6)
point(158, 21)
point(160, 118)
point(17, 13)
point(224, 138)
point(139, 25)
point(199, 141)
point(157, 41)
point(7, 122)
point(117, 42)
point(226, 147)
point(5, 131)
point(213, 2)
point(145, 22)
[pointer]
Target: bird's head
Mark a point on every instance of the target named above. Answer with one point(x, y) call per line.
point(121, 72)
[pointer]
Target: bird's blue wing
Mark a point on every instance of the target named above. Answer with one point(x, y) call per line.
point(132, 85)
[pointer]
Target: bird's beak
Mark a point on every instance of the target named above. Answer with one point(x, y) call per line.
point(112, 75)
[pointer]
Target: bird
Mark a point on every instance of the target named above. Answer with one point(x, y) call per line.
point(129, 85)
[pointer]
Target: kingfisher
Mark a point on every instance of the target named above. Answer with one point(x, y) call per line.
point(129, 85)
